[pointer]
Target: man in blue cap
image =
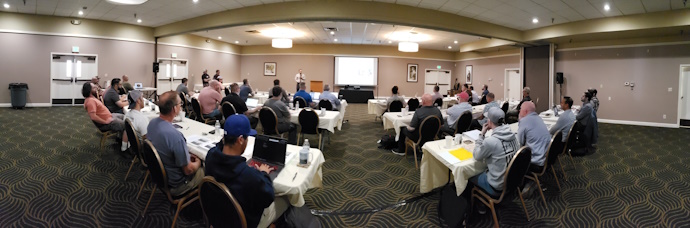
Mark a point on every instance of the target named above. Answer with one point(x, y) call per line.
point(251, 186)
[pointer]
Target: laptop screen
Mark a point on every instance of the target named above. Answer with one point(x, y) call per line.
point(251, 102)
point(138, 85)
point(270, 149)
point(314, 95)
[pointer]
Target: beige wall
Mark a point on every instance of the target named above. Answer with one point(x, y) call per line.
point(200, 59)
point(488, 68)
point(536, 75)
point(349, 49)
point(27, 59)
point(392, 71)
point(653, 69)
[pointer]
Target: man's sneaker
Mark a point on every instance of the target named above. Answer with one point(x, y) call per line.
point(481, 208)
point(395, 151)
point(527, 190)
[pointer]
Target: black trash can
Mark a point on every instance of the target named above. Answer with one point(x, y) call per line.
point(18, 94)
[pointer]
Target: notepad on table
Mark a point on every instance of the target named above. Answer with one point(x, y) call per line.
point(461, 154)
point(472, 135)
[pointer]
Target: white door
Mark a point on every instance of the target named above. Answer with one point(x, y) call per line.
point(512, 85)
point(171, 74)
point(68, 74)
point(685, 97)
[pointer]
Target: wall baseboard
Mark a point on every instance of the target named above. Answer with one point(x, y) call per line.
point(639, 123)
point(30, 105)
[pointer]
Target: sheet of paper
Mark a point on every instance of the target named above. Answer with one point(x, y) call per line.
point(201, 142)
point(461, 154)
point(448, 157)
point(472, 135)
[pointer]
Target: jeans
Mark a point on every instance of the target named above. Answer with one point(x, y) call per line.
point(404, 133)
point(481, 181)
point(213, 115)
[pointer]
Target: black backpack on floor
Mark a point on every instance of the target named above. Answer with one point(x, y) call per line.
point(452, 209)
point(387, 142)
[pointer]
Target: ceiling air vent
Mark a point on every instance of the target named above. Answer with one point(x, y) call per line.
point(253, 31)
point(330, 29)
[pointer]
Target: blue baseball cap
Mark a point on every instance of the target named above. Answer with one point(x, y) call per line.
point(238, 125)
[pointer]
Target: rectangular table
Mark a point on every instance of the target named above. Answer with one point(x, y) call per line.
point(330, 121)
point(356, 96)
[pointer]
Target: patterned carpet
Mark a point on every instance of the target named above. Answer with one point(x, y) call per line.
point(52, 174)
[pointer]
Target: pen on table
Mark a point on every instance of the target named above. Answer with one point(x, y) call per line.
point(293, 178)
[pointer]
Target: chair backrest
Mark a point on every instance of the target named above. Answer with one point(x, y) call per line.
point(413, 104)
point(326, 104)
point(572, 137)
point(395, 106)
point(227, 109)
point(504, 107)
point(516, 170)
point(555, 149)
point(197, 109)
point(135, 143)
point(185, 103)
point(308, 121)
point(428, 129)
point(269, 121)
point(156, 168)
point(227, 91)
point(483, 101)
point(219, 206)
point(463, 123)
point(299, 102)
point(438, 102)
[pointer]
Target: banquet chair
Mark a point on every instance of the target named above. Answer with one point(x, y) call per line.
point(160, 178)
point(413, 104)
point(512, 179)
point(463, 123)
point(326, 104)
point(572, 138)
point(299, 102)
point(220, 208)
point(200, 116)
point(438, 102)
point(504, 107)
point(395, 106)
point(136, 146)
point(427, 131)
point(185, 105)
point(551, 156)
point(227, 91)
point(104, 134)
point(309, 124)
point(269, 121)
point(227, 109)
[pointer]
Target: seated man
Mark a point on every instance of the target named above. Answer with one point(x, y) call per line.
point(411, 131)
point(284, 96)
point(455, 112)
point(246, 90)
point(283, 114)
point(479, 122)
point(327, 95)
point(303, 93)
point(512, 114)
point(565, 120)
point(112, 98)
point(209, 99)
point(99, 114)
point(126, 85)
point(595, 122)
point(496, 151)
point(585, 119)
point(241, 106)
point(251, 186)
point(396, 97)
point(436, 94)
point(532, 132)
point(139, 121)
point(182, 88)
point(475, 96)
point(183, 169)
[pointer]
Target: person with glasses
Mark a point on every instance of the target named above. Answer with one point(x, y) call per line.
point(183, 169)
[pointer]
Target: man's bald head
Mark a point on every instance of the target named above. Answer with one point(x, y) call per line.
point(215, 85)
point(527, 108)
point(125, 78)
point(427, 100)
point(167, 103)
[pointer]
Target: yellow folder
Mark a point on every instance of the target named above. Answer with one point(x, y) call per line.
point(461, 154)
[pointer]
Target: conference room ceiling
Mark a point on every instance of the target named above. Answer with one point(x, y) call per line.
point(348, 33)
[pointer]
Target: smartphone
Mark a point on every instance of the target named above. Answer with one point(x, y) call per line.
point(177, 126)
point(212, 132)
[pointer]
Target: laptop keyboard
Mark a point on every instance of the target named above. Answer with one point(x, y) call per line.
point(255, 163)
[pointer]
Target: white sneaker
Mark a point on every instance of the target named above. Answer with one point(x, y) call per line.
point(397, 153)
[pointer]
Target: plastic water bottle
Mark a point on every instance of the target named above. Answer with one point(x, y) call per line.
point(304, 153)
point(218, 127)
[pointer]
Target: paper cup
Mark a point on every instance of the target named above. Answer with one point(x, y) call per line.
point(449, 141)
point(458, 138)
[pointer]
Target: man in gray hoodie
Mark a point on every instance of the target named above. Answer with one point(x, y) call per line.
point(496, 151)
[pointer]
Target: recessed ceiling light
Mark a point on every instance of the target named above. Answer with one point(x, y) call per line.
point(220, 37)
point(81, 12)
point(332, 33)
point(127, 2)
point(138, 20)
point(195, 1)
point(6, 5)
point(607, 7)
point(237, 41)
point(449, 47)
point(390, 41)
point(335, 40)
point(535, 20)
point(455, 42)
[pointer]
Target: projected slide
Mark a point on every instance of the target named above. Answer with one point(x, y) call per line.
point(356, 71)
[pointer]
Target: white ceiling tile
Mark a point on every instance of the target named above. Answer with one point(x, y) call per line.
point(679, 5)
point(553, 5)
point(628, 7)
point(488, 3)
point(570, 14)
point(656, 5)
point(453, 6)
point(249, 2)
point(408, 2)
point(473, 10)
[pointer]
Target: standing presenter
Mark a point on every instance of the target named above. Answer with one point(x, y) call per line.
point(299, 78)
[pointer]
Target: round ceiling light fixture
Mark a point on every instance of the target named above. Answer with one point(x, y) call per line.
point(281, 43)
point(127, 2)
point(408, 47)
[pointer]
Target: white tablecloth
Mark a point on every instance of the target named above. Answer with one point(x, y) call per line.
point(378, 106)
point(330, 121)
point(395, 120)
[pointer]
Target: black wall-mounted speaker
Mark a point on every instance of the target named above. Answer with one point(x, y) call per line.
point(559, 77)
point(155, 67)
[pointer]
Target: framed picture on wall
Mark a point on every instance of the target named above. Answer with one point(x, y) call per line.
point(468, 74)
point(270, 69)
point(412, 72)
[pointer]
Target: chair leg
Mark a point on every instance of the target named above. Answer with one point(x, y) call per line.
point(565, 177)
point(177, 213)
point(493, 212)
point(536, 179)
point(298, 136)
point(571, 157)
point(415, 156)
point(146, 176)
point(130, 167)
point(320, 141)
point(553, 170)
point(523, 203)
point(103, 138)
point(149, 202)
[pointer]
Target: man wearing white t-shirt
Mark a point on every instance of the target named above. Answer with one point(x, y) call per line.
point(299, 78)
point(139, 121)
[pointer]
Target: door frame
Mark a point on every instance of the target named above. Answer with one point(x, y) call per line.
point(50, 78)
point(505, 81)
point(681, 90)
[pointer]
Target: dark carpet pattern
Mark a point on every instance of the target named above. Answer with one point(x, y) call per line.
point(53, 174)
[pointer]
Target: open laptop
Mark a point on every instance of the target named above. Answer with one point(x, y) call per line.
point(315, 95)
point(138, 85)
point(270, 151)
point(252, 102)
